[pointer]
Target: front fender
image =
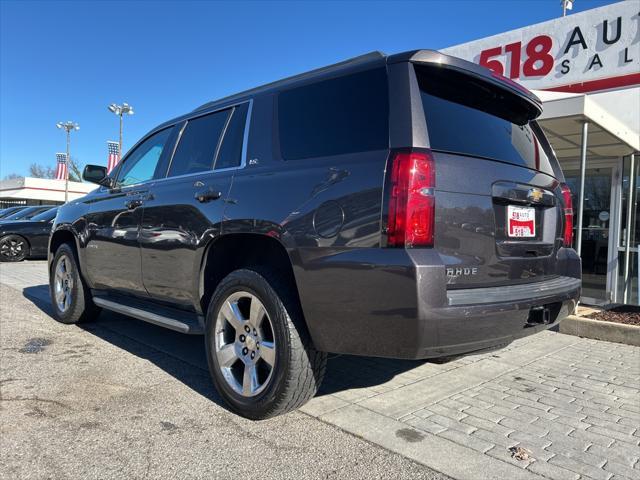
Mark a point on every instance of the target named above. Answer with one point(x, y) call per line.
point(70, 220)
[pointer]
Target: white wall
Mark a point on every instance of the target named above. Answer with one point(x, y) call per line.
point(42, 189)
point(624, 104)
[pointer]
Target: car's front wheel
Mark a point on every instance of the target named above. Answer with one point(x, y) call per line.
point(259, 351)
point(70, 296)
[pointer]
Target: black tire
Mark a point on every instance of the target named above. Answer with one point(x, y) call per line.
point(13, 248)
point(298, 368)
point(81, 307)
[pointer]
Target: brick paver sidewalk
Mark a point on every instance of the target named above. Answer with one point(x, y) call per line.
point(573, 404)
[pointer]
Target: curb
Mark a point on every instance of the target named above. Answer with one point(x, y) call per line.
point(599, 330)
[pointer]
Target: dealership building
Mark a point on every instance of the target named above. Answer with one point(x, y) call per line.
point(39, 191)
point(586, 69)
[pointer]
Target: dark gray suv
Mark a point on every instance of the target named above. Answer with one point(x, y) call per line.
point(404, 206)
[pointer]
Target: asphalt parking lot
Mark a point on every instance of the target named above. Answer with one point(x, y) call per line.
point(118, 398)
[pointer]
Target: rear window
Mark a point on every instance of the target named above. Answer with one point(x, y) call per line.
point(332, 117)
point(45, 216)
point(26, 214)
point(469, 117)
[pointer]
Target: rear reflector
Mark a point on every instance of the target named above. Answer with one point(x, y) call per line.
point(411, 200)
point(568, 215)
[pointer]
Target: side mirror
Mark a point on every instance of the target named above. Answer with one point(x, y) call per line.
point(97, 174)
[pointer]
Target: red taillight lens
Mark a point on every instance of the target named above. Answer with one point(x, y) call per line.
point(411, 200)
point(568, 215)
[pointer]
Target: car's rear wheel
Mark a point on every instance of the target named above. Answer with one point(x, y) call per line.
point(13, 248)
point(260, 354)
point(70, 296)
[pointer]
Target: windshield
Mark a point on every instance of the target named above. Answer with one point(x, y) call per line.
point(45, 216)
point(27, 213)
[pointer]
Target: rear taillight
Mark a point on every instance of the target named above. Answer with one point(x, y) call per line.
point(411, 200)
point(568, 215)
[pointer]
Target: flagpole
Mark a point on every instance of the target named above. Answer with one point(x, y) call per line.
point(66, 180)
point(120, 140)
point(120, 110)
point(68, 127)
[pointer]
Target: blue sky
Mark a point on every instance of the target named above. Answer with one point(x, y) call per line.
point(69, 60)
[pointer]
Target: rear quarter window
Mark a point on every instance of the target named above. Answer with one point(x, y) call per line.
point(341, 115)
point(198, 143)
point(230, 154)
point(467, 117)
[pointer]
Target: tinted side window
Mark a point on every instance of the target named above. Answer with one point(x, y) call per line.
point(140, 164)
point(231, 149)
point(197, 146)
point(342, 115)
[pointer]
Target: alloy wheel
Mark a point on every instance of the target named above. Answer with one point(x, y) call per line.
point(245, 344)
point(12, 248)
point(63, 283)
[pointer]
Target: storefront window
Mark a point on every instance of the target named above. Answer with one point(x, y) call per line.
point(595, 227)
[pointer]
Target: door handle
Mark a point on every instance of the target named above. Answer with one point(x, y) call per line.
point(133, 204)
point(207, 196)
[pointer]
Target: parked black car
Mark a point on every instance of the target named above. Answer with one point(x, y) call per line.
point(26, 213)
point(22, 239)
point(5, 212)
point(404, 206)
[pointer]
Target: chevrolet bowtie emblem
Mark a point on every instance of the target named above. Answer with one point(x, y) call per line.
point(535, 195)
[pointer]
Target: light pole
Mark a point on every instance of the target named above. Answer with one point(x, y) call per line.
point(67, 126)
point(566, 5)
point(120, 110)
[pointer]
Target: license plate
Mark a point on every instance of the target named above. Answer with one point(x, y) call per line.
point(521, 221)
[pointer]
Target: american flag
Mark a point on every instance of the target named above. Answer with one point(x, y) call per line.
point(61, 170)
point(114, 155)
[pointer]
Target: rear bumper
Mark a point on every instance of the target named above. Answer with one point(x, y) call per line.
point(480, 318)
point(394, 303)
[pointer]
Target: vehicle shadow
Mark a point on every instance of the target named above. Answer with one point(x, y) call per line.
point(183, 356)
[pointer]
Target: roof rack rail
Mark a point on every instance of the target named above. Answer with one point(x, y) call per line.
point(367, 57)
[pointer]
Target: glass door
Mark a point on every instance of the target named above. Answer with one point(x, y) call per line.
point(598, 215)
point(626, 290)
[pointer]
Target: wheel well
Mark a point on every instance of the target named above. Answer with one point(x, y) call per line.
point(245, 250)
point(60, 237)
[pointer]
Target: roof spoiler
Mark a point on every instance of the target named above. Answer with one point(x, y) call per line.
point(437, 59)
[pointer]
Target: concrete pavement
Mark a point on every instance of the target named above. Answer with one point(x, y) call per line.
point(120, 398)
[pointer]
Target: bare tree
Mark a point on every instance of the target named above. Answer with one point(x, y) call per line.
point(13, 176)
point(41, 171)
point(75, 170)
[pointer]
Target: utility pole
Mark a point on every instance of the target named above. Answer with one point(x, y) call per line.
point(67, 126)
point(120, 110)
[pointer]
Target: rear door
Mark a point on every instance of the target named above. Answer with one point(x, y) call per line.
point(184, 210)
point(498, 209)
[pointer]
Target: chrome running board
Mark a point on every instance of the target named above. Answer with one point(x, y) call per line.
point(183, 326)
